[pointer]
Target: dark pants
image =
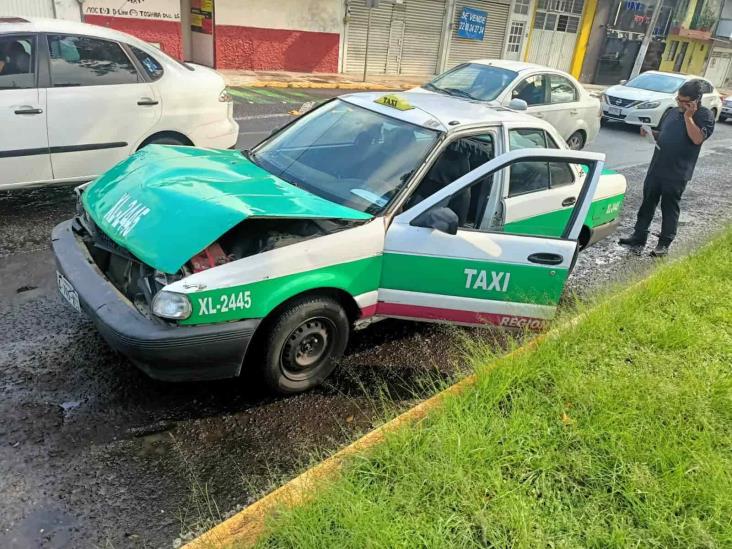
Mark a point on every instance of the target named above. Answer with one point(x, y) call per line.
point(669, 193)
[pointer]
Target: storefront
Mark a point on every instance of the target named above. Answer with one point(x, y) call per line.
point(621, 36)
point(554, 33)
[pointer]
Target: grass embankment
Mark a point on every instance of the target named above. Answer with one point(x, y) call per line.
point(615, 433)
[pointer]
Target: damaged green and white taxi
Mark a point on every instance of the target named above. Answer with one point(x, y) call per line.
point(205, 264)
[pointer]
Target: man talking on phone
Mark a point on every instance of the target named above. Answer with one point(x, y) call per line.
point(678, 143)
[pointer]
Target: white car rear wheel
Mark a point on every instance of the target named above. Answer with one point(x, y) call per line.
point(576, 141)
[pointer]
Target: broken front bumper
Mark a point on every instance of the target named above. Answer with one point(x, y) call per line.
point(163, 351)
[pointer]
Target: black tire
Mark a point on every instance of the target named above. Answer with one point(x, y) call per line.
point(303, 343)
point(164, 140)
point(603, 121)
point(714, 114)
point(722, 118)
point(576, 141)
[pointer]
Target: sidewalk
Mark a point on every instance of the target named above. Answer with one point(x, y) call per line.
point(326, 80)
point(283, 79)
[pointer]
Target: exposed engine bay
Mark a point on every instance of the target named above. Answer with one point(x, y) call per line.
point(140, 282)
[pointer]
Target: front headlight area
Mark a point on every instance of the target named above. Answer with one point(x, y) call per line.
point(646, 105)
point(171, 305)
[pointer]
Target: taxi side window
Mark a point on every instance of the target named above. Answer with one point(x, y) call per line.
point(458, 158)
point(528, 177)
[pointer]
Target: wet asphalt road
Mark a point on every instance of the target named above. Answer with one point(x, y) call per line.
point(94, 454)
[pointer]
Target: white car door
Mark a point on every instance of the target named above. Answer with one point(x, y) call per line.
point(434, 269)
point(99, 105)
point(24, 156)
point(550, 97)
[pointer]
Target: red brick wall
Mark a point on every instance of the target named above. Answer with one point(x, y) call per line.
point(165, 33)
point(273, 49)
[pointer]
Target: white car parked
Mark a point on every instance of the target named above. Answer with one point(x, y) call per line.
point(649, 96)
point(75, 99)
point(546, 93)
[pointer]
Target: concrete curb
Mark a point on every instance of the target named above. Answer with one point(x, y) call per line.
point(248, 525)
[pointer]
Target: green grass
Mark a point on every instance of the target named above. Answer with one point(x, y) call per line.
point(616, 433)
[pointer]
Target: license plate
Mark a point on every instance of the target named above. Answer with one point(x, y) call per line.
point(615, 111)
point(67, 291)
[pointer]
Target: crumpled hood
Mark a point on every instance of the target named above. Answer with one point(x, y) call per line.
point(165, 204)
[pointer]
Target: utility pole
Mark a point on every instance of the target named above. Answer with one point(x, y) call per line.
point(646, 40)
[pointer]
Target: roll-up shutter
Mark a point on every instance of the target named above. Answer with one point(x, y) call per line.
point(422, 36)
point(404, 38)
point(27, 8)
point(491, 47)
point(358, 16)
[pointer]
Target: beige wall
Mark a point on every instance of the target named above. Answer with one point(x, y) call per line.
point(306, 15)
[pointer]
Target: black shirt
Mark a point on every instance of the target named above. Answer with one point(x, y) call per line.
point(677, 156)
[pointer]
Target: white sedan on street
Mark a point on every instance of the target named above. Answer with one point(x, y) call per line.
point(649, 96)
point(75, 99)
point(546, 93)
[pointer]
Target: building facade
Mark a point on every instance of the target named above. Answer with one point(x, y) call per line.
point(689, 41)
point(404, 37)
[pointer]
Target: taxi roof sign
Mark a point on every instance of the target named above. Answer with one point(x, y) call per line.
point(395, 102)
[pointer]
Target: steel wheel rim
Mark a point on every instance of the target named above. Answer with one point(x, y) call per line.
point(307, 347)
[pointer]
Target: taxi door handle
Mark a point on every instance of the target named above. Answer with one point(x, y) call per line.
point(546, 258)
point(569, 201)
point(146, 101)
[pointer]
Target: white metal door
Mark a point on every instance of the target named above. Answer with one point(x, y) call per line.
point(24, 155)
point(518, 29)
point(99, 108)
point(491, 47)
point(555, 32)
point(719, 65)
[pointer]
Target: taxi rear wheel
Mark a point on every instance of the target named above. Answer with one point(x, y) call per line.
point(303, 344)
point(576, 141)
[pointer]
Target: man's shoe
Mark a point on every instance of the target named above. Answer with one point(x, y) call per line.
point(633, 241)
point(661, 250)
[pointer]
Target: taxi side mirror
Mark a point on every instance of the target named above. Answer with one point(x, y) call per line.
point(441, 219)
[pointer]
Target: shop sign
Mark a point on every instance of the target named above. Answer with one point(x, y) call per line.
point(472, 24)
point(168, 10)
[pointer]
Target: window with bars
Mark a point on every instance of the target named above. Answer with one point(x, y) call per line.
point(521, 7)
point(563, 6)
point(514, 37)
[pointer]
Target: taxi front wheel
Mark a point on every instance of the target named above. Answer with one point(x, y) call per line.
point(303, 344)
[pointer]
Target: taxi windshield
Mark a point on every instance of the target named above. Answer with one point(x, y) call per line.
point(349, 155)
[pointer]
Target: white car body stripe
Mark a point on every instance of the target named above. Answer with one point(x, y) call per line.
point(368, 299)
point(497, 247)
point(342, 247)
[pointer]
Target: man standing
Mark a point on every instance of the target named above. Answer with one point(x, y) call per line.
point(679, 141)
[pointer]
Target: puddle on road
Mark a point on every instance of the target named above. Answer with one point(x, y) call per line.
point(42, 527)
